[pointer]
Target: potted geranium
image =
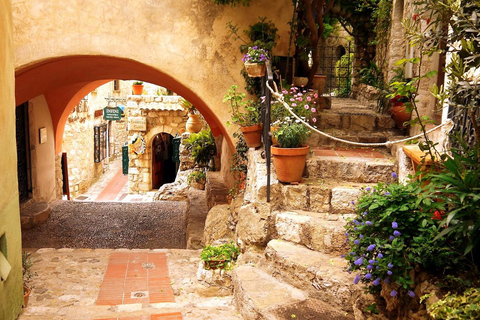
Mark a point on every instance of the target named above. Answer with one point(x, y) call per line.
point(137, 87)
point(247, 115)
point(254, 61)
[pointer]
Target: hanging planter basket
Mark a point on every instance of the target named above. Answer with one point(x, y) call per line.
point(255, 70)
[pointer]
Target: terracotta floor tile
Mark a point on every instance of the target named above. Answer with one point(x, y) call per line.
point(113, 188)
point(131, 272)
point(167, 316)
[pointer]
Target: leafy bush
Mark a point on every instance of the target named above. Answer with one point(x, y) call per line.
point(393, 231)
point(343, 73)
point(227, 253)
point(202, 146)
point(292, 135)
point(466, 306)
point(197, 176)
point(251, 114)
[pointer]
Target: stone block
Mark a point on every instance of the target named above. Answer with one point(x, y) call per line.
point(319, 198)
point(295, 197)
point(385, 122)
point(217, 224)
point(330, 120)
point(342, 198)
point(256, 224)
point(363, 123)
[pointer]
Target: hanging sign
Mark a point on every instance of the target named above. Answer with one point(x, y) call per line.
point(137, 123)
point(114, 113)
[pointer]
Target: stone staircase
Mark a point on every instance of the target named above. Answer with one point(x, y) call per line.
point(33, 213)
point(299, 273)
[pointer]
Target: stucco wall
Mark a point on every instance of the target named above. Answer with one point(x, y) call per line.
point(42, 154)
point(11, 291)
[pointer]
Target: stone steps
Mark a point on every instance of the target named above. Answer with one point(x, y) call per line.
point(33, 214)
point(351, 169)
point(320, 275)
point(258, 294)
point(318, 140)
point(320, 232)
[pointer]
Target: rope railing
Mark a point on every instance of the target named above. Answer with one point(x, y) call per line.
point(447, 125)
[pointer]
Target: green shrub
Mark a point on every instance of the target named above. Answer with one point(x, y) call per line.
point(292, 135)
point(202, 146)
point(197, 176)
point(466, 306)
point(343, 73)
point(394, 231)
point(227, 253)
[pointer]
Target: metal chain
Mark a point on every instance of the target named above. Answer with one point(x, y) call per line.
point(448, 125)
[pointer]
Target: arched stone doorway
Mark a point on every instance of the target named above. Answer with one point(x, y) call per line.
point(164, 169)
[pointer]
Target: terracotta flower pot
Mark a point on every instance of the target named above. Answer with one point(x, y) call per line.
point(289, 163)
point(26, 295)
point(253, 135)
point(137, 89)
point(255, 70)
point(194, 124)
point(399, 115)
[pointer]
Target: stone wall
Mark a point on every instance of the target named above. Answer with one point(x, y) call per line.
point(162, 114)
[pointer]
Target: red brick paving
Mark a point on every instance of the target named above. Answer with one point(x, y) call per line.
point(126, 274)
point(113, 188)
point(367, 153)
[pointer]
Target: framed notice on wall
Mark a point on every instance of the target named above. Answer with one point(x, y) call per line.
point(42, 135)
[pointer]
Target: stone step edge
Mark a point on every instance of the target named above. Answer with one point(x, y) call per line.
point(327, 282)
point(248, 278)
point(34, 214)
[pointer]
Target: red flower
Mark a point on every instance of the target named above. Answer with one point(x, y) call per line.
point(415, 17)
point(438, 215)
point(427, 20)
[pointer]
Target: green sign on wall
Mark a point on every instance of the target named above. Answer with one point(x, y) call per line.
point(176, 149)
point(112, 113)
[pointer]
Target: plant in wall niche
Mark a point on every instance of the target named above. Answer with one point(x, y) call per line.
point(201, 146)
point(219, 257)
point(197, 179)
point(28, 274)
point(246, 114)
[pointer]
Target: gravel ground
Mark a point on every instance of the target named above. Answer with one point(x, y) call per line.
point(147, 225)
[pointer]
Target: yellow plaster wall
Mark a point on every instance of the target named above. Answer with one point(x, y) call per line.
point(186, 39)
point(42, 154)
point(11, 291)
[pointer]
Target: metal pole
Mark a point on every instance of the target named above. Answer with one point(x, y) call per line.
point(266, 124)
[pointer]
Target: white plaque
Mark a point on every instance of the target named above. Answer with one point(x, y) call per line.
point(137, 123)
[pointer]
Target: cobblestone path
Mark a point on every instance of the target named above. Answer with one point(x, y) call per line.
point(142, 225)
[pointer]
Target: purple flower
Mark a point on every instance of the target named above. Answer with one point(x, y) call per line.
point(365, 213)
point(368, 189)
point(359, 261)
point(352, 253)
point(394, 225)
point(355, 228)
point(371, 261)
point(389, 272)
point(393, 293)
point(346, 233)
point(376, 282)
point(387, 193)
point(380, 256)
point(369, 267)
point(353, 202)
point(397, 233)
point(368, 276)
point(357, 279)
point(390, 265)
point(361, 236)
point(371, 247)
point(394, 175)
point(356, 242)
point(392, 238)
point(386, 280)
point(342, 256)
point(369, 223)
point(411, 293)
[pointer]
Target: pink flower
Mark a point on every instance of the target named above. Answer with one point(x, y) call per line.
point(314, 110)
point(314, 119)
point(309, 98)
point(306, 106)
point(315, 96)
point(284, 91)
point(300, 94)
point(291, 99)
point(299, 99)
point(294, 104)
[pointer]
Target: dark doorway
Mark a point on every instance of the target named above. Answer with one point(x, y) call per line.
point(23, 152)
point(163, 167)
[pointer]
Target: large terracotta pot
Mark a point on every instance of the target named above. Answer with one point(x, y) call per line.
point(289, 163)
point(319, 83)
point(255, 70)
point(399, 115)
point(253, 135)
point(194, 124)
point(137, 89)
